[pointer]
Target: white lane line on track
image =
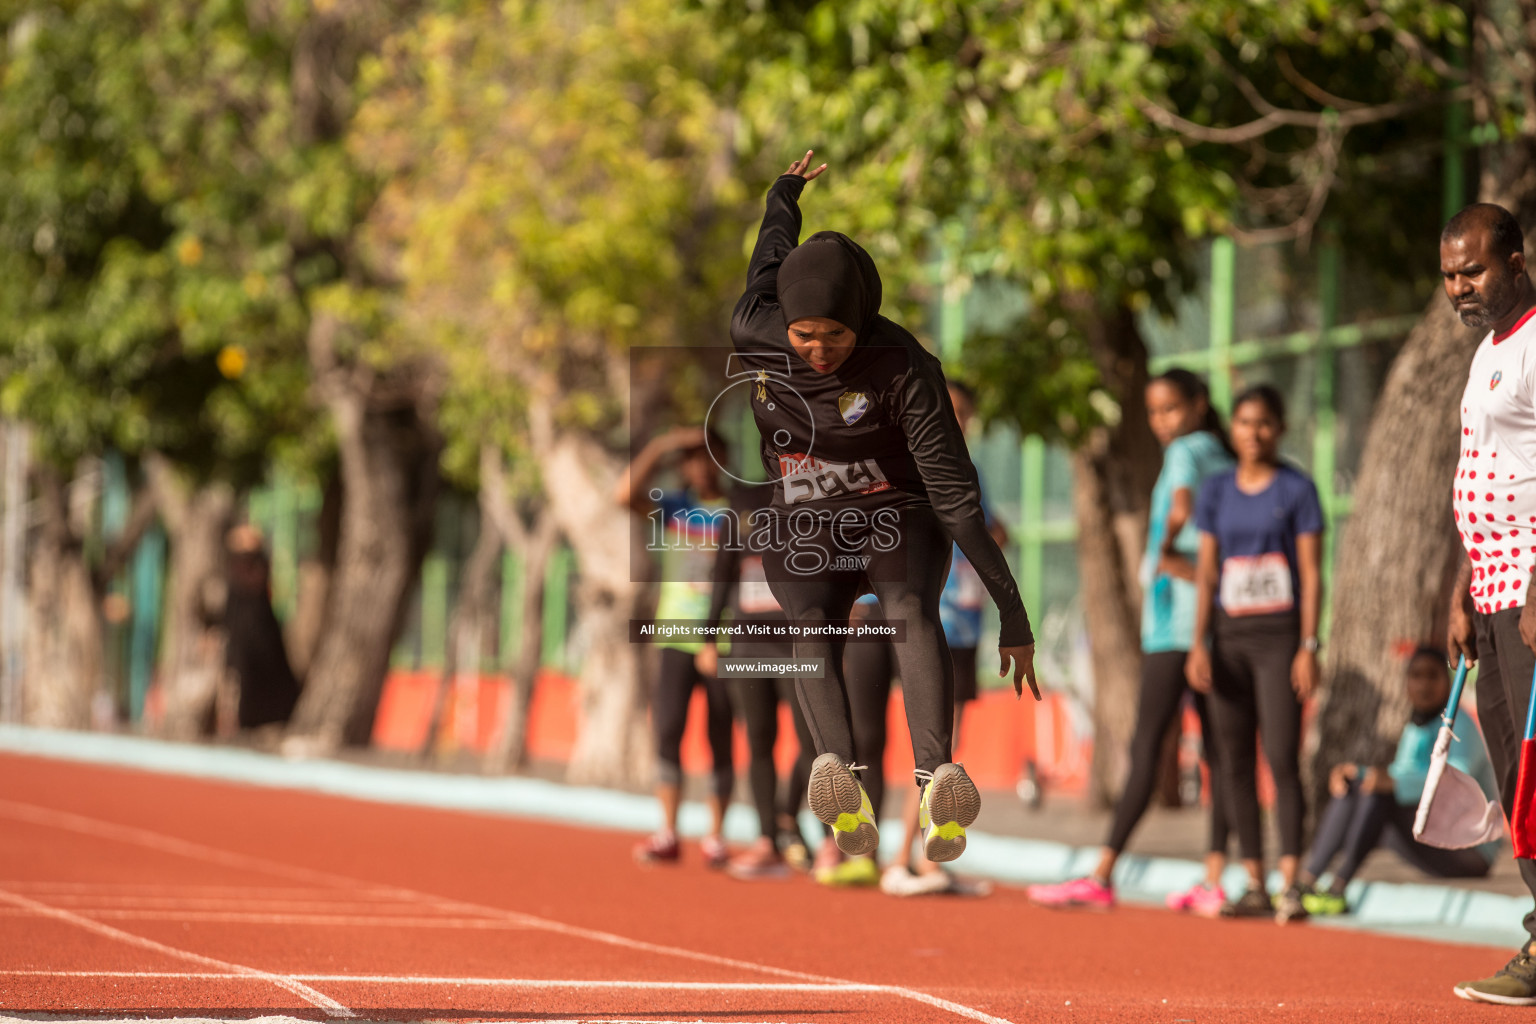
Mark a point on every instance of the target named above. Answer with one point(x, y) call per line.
point(383, 910)
point(303, 991)
point(274, 1019)
point(319, 920)
point(208, 854)
point(526, 983)
point(147, 889)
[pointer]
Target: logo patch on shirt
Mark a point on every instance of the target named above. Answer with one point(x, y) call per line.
point(1498, 375)
point(852, 405)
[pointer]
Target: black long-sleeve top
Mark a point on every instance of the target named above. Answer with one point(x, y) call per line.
point(877, 432)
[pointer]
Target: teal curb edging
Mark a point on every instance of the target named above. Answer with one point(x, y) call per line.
point(1438, 912)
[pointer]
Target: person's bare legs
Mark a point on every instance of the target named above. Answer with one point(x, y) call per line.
point(1215, 867)
point(670, 797)
point(717, 808)
point(1255, 869)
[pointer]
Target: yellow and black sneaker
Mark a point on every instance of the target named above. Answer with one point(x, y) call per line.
point(838, 799)
point(1513, 985)
point(950, 805)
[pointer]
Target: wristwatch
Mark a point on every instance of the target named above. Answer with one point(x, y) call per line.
point(1310, 645)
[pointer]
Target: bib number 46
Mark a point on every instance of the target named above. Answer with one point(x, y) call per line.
point(1256, 585)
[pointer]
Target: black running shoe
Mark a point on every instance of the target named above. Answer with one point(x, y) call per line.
point(1513, 985)
point(1253, 903)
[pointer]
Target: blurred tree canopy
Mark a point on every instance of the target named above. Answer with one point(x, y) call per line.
point(1077, 150)
point(150, 288)
point(414, 236)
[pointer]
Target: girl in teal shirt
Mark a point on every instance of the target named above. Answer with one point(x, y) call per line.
point(1194, 448)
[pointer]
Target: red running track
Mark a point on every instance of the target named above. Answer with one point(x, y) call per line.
point(133, 893)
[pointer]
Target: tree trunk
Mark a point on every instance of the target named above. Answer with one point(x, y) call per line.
point(307, 623)
point(388, 450)
point(63, 645)
point(389, 480)
point(535, 546)
point(612, 746)
point(1399, 550)
point(466, 627)
point(191, 664)
point(1112, 478)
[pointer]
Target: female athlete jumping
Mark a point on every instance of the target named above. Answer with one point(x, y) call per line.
point(873, 480)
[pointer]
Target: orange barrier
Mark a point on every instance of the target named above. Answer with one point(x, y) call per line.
point(999, 735)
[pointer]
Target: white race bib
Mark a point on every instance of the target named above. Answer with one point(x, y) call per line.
point(1256, 585)
point(756, 598)
point(808, 479)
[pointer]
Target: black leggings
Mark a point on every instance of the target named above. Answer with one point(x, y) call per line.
point(1251, 693)
point(907, 579)
point(758, 700)
point(1356, 823)
point(669, 714)
point(1162, 694)
point(869, 669)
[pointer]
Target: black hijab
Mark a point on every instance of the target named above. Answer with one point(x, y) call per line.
point(830, 275)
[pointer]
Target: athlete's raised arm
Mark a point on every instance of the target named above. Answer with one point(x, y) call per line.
point(938, 447)
point(781, 227)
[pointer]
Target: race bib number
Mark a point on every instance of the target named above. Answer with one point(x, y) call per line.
point(756, 598)
point(1256, 585)
point(810, 479)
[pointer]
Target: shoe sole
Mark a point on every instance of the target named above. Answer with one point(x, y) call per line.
point(1089, 908)
point(1472, 995)
point(761, 874)
point(834, 792)
point(1247, 915)
point(1290, 918)
point(953, 802)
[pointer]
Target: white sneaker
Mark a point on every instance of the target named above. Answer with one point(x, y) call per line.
point(899, 881)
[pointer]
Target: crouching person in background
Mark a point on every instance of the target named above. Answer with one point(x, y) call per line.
point(1375, 806)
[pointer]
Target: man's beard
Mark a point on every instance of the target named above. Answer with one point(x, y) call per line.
point(1474, 316)
point(1489, 308)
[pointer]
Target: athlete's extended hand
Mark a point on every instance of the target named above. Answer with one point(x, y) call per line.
point(1197, 669)
point(707, 661)
point(1304, 674)
point(1023, 659)
point(801, 167)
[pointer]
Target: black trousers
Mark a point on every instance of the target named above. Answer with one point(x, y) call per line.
point(1162, 694)
point(669, 715)
point(1251, 693)
point(758, 702)
point(1504, 666)
point(907, 577)
point(1357, 823)
point(869, 670)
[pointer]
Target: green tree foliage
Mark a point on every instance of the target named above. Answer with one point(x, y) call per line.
point(558, 175)
point(1066, 141)
point(148, 274)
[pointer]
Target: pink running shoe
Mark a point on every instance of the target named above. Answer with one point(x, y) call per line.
point(1204, 900)
point(716, 855)
point(1079, 892)
point(657, 848)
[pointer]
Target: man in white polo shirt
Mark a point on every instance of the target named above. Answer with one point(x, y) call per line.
point(1493, 614)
